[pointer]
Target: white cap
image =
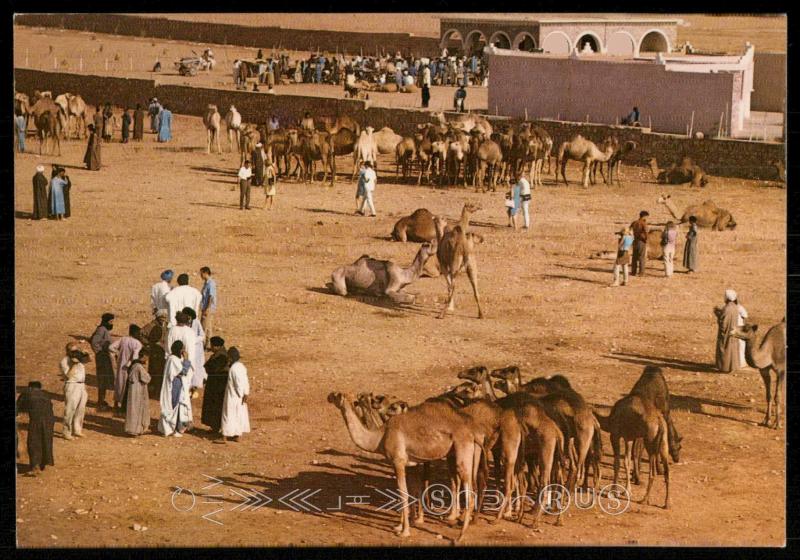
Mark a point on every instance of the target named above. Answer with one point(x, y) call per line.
point(730, 295)
point(40, 168)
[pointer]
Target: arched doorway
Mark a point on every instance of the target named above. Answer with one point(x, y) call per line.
point(452, 41)
point(621, 43)
point(525, 42)
point(475, 43)
point(588, 41)
point(654, 41)
point(500, 40)
point(557, 42)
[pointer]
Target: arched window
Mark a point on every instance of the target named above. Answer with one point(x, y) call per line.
point(654, 41)
point(588, 41)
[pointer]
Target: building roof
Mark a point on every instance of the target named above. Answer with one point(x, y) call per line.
point(557, 18)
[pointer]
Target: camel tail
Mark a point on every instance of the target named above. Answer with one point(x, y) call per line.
point(603, 421)
point(597, 441)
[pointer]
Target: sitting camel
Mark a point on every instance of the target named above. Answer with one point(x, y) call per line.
point(767, 356)
point(418, 227)
point(686, 172)
point(708, 214)
point(378, 277)
point(581, 149)
point(211, 120)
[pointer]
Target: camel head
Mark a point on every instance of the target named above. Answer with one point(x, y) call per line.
point(470, 391)
point(628, 146)
point(337, 399)
point(477, 374)
point(369, 130)
point(510, 372)
point(397, 407)
point(471, 207)
point(559, 381)
point(745, 332)
point(212, 108)
point(663, 198)
point(503, 385)
point(427, 249)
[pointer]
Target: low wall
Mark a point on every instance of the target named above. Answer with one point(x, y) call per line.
point(722, 157)
point(228, 34)
point(769, 82)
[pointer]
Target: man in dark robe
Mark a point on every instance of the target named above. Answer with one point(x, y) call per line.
point(92, 156)
point(97, 120)
point(40, 426)
point(126, 125)
point(40, 205)
point(138, 122)
point(258, 165)
point(727, 351)
point(214, 393)
point(100, 341)
point(108, 114)
point(154, 339)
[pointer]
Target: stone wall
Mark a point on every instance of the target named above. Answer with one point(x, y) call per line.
point(227, 34)
point(769, 82)
point(723, 157)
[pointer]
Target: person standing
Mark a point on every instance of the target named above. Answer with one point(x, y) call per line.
point(668, 239)
point(176, 408)
point(426, 93)
point(273, 124)
point(196, 353)
point(165, 126)
point(727, 351)
point(182, 295)
point(159, 291)
point(623, 256)
point(58, 185)
point(214, 393)
point(33, 401)
point(92, 156)
point(640, 230)
point(208, 303)
point(184, 332)
point(108, 116)
point(138, 122)
point(245, 173)
point(137, 407)
point(525, 198)
point(104, 367)
point(271, 77)
point(40, 207)
point(127, 350)
point(126, 125)
point(75, 395)
point(20, 130)
point(460, 99)
point(370, 179)
point(740, 323)
point(690, 247)
point(258, 157)
point(154, 334)
point(235, 416)
point(98, 121)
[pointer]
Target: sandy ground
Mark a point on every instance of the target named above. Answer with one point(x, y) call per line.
point(705, 32)
point(88, 53)
point(547, 307)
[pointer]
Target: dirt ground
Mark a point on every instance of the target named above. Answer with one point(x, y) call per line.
point(548, 309)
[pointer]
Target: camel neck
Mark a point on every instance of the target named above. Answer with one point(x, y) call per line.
point(363, 437)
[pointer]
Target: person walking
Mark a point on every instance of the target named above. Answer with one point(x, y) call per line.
point(525, 198)
point(126, 125)
point(208, 304)
point(165, 126)
point(668, 239)
point(516, 201)
point(33, 401)
point(623, 256)
point(727, 348)
point(159, 291)
point(640, 230)
point(369, 179)
point(92, 156)
point(126, 349)
point(104, 367)
point(58, 185)
point(75, 396)
point(245, 173)
point(138, 122)
point(214, 393)
point(176, 408)
point(20, 130)
point(40, 183)
point(235, 415)
point(690, 247)
point(137, 407)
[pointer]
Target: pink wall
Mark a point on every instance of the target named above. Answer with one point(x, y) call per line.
point(605, 90)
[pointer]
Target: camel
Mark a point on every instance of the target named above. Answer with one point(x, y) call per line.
point(211, 120)
point(546, 142)
point(405, 152)
point(456, 252)
point(418, 227)
point(335, 124)
point(48, 127)
point(586, 151)
point(308, 148)
point(233, 122)
point(432, 269)
point(457, 154)
point(386, 140)
point(708, 214)
point(343, 142)
point(686, 172)
point(466, 122)
point(366, 150)
point(485, 155)
point(73, 107)
point(249, 136)
point(633, 417)
point(767, 356)
point(780, 169)
point(380, 277)
point(614, 162)
point(426, 432)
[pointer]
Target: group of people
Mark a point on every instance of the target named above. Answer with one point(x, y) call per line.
point(632, 249)
point(519, 198)
point(160, 119)
point(258, 171)
point(51, 197)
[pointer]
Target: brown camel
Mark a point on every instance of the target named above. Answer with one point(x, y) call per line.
point(456, 252)
point(335, 124)
point(249, 136)
point(686, 172)
point(708, 214)
point(48, 127)
point(613, 163)
point(432, 268)
point(418, 227)
point(424, 433)
point(486, 155)
point(405, 153)
point(586, 151)
point(343, 142)
point(768, 356)
point(308, 148)
point(633, 417)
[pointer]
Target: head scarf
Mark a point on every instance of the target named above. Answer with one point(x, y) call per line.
point(217, 341)
point(233, 355)
point(167, 275)
point(40, 168)
point(730, 295)
point(162, 313)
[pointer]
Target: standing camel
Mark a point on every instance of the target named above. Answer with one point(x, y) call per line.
point(486, 155)
point(586, 151)
point(211, 120)
point(366, 150)
point(456, 252)
point(249, 136)
point(767, 356)
point(233, 122)
point(48, 127)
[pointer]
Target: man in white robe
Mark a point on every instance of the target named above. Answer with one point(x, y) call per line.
point(235, 416)
point(126, 350)
point(198, 354)
point(182, 295)
point(184, 332)
point(159, 291)
point(176, 408)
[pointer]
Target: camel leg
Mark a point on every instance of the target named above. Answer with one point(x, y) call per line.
point(652, 461)
point(219, 148)
point(778, 396)
point(585, 173)
point(464, 459)
point(628, 451)
point(455, 489)
point(615, 447)
point(400, 470)
point(472, 273)
point(424, 472)
point(510, 450)
point(767, 377)
point(665, 464)
point(563, 172)
point(450, 294)
point(546, 454)
point(398, 296)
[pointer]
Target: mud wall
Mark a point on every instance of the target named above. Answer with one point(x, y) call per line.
point(723, 157)
point(769, 82)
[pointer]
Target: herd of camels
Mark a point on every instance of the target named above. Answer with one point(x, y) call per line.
point(54, 119)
